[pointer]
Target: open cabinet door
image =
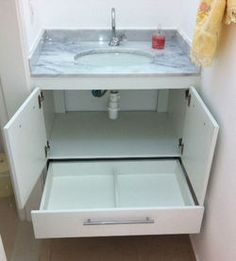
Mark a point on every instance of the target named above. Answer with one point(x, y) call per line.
point(199, 139)
point(25, 137)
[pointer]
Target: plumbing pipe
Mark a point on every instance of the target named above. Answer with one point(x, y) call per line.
point(113, 105)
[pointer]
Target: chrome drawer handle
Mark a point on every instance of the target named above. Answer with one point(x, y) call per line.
point(147, 220)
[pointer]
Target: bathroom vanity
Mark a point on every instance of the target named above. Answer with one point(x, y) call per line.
point(144, 173)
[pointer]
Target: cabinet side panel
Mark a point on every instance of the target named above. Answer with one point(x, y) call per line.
point(176, 109)
point(49, 111)
point(199, 139)
point(59, 101)
point(25, 139)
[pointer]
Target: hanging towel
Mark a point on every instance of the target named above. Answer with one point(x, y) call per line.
point(205, 41)
point(230, 15)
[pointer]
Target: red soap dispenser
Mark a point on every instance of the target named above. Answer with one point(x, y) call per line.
point(158, 40)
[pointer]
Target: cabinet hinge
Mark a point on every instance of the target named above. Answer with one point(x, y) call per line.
point(188, 97)
point(40, 99)
point(181, 146)
point(47, 149)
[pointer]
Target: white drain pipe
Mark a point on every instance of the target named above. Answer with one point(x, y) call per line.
point(113, 105)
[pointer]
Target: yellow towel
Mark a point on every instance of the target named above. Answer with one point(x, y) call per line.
point(230, 15)
point(207, 32)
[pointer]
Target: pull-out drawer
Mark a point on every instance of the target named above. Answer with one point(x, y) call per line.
point(105, 198)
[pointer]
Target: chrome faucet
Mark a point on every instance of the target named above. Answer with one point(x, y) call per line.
point(113, 22)
point(115, 39)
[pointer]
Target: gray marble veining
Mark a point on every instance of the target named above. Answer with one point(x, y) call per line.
point(54, 55)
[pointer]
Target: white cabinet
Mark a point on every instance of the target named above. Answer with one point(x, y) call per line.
point(145, 173)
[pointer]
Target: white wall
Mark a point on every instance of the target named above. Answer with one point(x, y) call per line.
point(96, 13)
point(14, 71)
point(77, 14)
point(32, 21)
point(188, 17)
point(217, 240)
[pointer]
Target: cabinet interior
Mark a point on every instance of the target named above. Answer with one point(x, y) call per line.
point(85, 132)
point(145, 130)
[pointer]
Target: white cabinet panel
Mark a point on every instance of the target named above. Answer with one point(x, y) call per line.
point(25, 136)
point(130, 100)
point(199, 139)
point(93, 135)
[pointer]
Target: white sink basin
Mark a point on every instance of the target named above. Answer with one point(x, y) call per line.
point(113, 57)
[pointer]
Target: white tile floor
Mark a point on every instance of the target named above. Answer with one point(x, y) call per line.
point(20, 244)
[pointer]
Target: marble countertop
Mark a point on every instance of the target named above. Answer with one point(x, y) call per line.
point(54, 55)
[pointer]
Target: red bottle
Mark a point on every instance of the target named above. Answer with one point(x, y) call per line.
point(158, 40)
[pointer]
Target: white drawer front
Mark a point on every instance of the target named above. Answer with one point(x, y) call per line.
point(85, 199)
point(59, 224)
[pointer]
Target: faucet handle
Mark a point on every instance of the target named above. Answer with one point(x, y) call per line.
point(122, 37)
point(114, 41)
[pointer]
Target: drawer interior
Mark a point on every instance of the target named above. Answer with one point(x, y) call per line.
point(115, 184)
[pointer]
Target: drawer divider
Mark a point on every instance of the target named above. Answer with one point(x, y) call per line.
point(116, 190)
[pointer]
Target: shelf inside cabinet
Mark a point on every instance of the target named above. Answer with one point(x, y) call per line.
point(94, 135)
